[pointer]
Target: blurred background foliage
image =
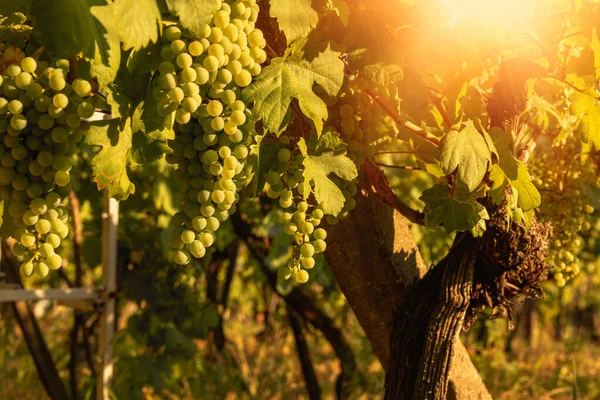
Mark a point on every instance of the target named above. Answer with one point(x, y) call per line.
point(219, 329)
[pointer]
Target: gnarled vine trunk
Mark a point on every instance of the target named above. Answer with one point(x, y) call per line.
point(375, 260)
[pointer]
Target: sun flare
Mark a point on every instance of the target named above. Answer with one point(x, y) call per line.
point(503, 13)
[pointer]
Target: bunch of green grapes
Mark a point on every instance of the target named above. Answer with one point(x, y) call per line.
point(358, 120)
point(200, 81)
point(565, 205)
point(285, 183)
point(39, 129)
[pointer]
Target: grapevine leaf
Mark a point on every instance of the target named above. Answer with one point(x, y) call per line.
point(383, 74)
point(109, 165)
point(194, 14)
point(296, 18)
point(528, 196)
point(342, 10)
point(13, 6)
point(584, 107)
point(150, 134)
point(13, 30)
point(303, 147)
point(524, 190)
point(467, 152)
point(294, 77)
point(138, 22)
point(330, 140)
point(105, 67)
point(316, 171)
point(596, 49)
point(85, 25)
point(499, 182)
point(145, 60)
point(458, 211)
point(267, 156)
point(119, 101)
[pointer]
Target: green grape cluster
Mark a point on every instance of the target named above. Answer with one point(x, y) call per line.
point(357, 119)
point(227, 55)
point(200, 81)
point(39, 129)
point(564, 184)
point(285, 183)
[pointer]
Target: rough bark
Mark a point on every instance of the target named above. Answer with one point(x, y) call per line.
point(427, 324)
point(375, 260)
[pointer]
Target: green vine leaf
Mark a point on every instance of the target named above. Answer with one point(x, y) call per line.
point(588, 111)
point(150, 133)
point(342, 10)
point(294, 77)
point(194, 14)
point(296, 18)
point(120, 103)
point(138, 22)
point(13, 29)
point(266, 156)
point(89, 26)
point(316, 171)
point(458, 211)
point(109, 165)
point(515, 173)
point(466, 152)
point(330, 140)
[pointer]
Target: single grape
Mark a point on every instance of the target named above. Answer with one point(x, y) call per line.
point(307, 250)
point(54, 261)
point(301, 276)
point(197, 249)
point(46, 250)
point(181, 257)
point(308, 262)
point(243, 79)
point(43, 269)
point(26, 269)
point(28, 64)
point(319, 245)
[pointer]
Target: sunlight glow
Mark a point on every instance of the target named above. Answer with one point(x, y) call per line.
point(497, 13)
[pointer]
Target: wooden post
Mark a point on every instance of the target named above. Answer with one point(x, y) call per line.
point(110, 220)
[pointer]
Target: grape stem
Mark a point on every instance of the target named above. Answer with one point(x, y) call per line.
point(407, 124)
